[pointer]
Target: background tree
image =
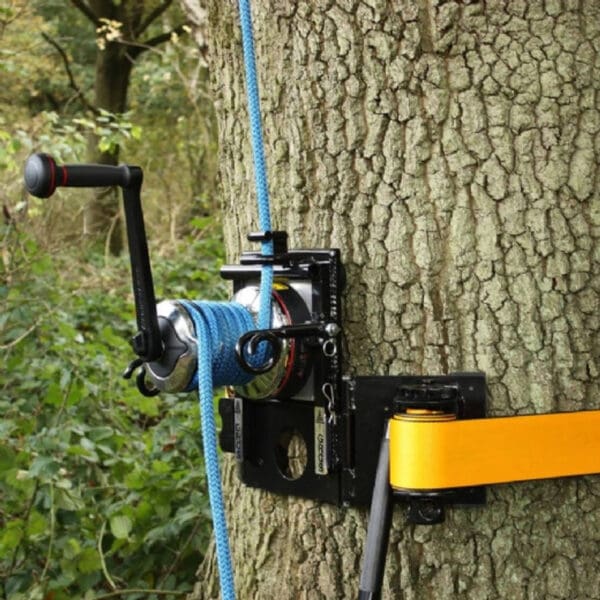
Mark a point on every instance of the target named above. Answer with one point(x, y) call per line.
point(451, 150)
point(101, 489)
point(125, 30)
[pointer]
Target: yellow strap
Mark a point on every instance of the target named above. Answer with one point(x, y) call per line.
point(435, 454)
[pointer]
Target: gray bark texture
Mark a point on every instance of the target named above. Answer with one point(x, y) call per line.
point(451, 150)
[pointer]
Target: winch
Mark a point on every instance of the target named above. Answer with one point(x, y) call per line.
point(304, 315)
point(174, 371)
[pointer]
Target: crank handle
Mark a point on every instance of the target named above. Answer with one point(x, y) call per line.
point(43, 176)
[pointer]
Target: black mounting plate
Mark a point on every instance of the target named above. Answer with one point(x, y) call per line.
point(256, 432)
point(259, 433)
point(371, 401)
point(263, 433)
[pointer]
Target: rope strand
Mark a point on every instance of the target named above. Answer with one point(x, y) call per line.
point(219, 325)
point(260, 172)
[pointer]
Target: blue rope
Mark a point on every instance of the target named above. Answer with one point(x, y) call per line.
point(260, 173)
point(218, 325)
point(224, 322)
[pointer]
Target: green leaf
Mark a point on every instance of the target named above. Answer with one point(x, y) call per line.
point(37, 524)
point(7, 458)
point(89, 561)
point(71, 549)
point(161, 467)
point(136, 480)
point(120, 526)
point(143, 510)
point(149, 406)
point(44, 467)
point(11, 536)
point(65, 484)
point(101, 433)
point(54, 395)
point(87, 444)
point(68, 499)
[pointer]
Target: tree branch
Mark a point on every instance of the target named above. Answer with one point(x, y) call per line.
point(10, 17)
point(20, 338)
point(159, 10)
point(180, 552)
point(72, 81)
point(87, 11)
point(138, 49)
point(102, 559)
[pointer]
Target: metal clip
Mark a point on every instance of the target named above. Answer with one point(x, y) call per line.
point(140, 379)
point(329, 393)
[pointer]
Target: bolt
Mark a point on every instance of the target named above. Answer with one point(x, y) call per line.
point(332, 329)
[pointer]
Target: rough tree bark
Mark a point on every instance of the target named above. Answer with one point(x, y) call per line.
point(451, 150)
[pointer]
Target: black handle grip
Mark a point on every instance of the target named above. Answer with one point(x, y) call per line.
point(43, 175)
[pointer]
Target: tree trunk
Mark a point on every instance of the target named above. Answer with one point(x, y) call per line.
point(117, 51)
point(111, 83)
point(451, 151)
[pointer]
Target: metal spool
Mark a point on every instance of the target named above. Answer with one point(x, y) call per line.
point(177, 366)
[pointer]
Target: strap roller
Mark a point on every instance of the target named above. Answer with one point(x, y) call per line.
point(434, 452)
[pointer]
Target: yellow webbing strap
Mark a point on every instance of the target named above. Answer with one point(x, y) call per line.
point(436, 453)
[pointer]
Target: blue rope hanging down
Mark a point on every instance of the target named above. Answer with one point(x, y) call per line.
point(219, 325)
point(258, 154)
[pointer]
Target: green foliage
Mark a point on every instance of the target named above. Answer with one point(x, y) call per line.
point(110, 130)
point(9, 146)
point(170, 93)
point(101, 487)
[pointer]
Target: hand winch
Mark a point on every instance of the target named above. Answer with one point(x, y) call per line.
point(175, 369)
point(166, 342)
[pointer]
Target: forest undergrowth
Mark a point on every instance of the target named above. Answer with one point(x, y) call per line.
point(102, 489)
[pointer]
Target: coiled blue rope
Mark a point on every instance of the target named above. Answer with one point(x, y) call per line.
point(223, 323)
point(219, 325)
